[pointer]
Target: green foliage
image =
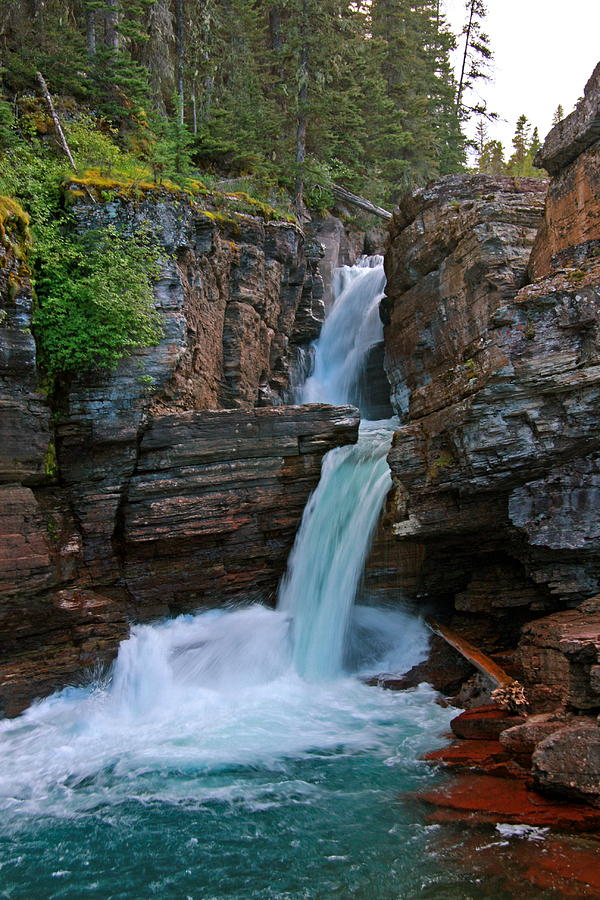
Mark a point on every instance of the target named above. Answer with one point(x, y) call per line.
point(526, 144)
point(92, 142)
point(93, 290)
point(371, 84)
point(96, 301)
point(7, 125)
point(168, 155)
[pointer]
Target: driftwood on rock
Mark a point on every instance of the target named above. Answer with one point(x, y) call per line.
point(342, 194)
point(482, 663)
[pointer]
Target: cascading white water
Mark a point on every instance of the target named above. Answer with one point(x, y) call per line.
point(350, 330)
point(328, 558)
point(329, 554)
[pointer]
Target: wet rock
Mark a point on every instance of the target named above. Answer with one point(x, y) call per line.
point(568, 761)
point(475, 692)
point(65, 638)
point(479, 799)
point(444, 669)
point(482, 755)
point(520, 741)
point(484, 723)
point(342, 244)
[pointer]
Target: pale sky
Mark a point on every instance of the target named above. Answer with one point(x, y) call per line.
point(544, 52)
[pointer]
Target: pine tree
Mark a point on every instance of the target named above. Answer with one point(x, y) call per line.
point(526, 143)
point(559, 115)
point(476, 58)
point(491, 159)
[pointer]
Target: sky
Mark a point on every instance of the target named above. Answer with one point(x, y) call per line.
point(544, 53)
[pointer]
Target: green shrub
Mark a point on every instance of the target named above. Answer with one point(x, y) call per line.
point(94, 298)
point(95, 301)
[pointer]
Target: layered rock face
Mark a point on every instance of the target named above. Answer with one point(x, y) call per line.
point(496, 469)
point(493, 352)
point(133, 498)
point(198, 508)
point(236, 294)
point(24, 415)
point(458, 254)
point(571, 153)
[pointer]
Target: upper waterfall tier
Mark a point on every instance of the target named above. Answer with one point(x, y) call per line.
point(352, 328)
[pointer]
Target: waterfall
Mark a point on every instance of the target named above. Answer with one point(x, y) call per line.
point(327, 562)
point(329, 554)
point(350, 330)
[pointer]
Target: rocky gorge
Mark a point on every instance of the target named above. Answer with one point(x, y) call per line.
point(166, 484)
point(179, 480)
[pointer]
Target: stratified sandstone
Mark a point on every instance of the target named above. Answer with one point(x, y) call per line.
point(571, 153)
point(195, 509)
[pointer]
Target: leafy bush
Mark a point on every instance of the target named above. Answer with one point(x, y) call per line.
point(94, 298)
point(96, 301)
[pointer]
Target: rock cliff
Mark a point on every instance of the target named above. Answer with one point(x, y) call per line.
point(159, 487)
point(492, 335)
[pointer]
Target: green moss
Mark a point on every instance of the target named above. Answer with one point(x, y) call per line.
point(469, 368)
point(443, 461)
point(14, 227)
point(52, 529)
point(50, 461)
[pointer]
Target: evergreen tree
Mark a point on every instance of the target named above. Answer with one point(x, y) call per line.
point(559, 115)
point(476, 58)
point(526, 143)
point(491, 159)
point(292, 92)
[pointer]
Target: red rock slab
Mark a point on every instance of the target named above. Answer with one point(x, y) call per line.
point(484, 756)
point(476, 799)
point(484, 723)
point(572, 870)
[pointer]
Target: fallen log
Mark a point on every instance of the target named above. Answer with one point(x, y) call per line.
point(508, 693)
point(348, 197)
point(482, 663)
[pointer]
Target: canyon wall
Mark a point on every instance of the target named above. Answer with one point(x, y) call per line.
point(160, 487)
point(492, 336)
